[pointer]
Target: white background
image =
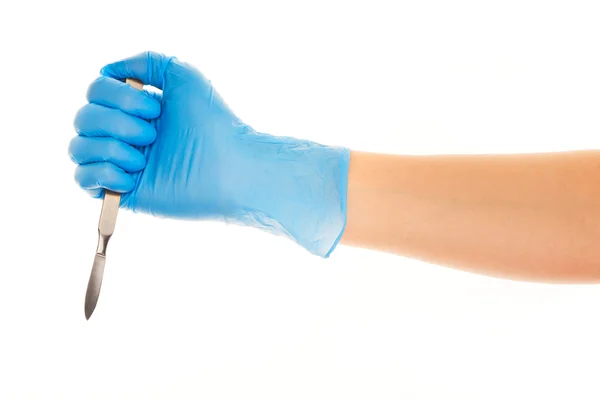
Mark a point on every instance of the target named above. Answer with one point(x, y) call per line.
point(204, 310)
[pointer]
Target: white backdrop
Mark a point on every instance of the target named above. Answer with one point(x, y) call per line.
point(204, 310)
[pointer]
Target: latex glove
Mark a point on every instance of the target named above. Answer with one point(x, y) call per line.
point(184, 154)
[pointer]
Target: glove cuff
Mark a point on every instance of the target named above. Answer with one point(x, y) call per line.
point(297, 189)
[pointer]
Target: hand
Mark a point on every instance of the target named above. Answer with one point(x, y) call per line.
point(183, 153)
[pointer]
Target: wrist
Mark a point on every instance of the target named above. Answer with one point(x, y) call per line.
point(294, 188)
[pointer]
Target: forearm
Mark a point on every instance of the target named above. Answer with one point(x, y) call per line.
point(530, 216)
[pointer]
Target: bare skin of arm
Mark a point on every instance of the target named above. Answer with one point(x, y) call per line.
point(532, 217)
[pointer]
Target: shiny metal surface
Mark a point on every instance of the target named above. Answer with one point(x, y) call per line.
point(106, 227)
point(94, 285)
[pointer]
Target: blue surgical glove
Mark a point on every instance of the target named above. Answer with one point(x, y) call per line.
point(182, 153)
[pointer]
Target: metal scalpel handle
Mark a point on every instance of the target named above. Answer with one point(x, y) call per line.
point(106, 227)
